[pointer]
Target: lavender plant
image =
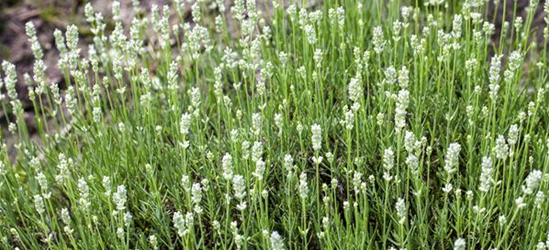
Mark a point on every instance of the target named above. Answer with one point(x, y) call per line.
point(346, 125)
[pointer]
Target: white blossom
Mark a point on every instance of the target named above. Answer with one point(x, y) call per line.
point(35, 45)
point(239, 188)
point(119, 198)
point(388, 163)
point(513, 135)
point(520, 202)
point(403, 79)
point(276, 241)
point(196, 197)
point(39, 204)
point(401, 211)
point(257, 151)
point(390, 75)
point(501, 149)
point(355, 89)
point(378, 40)
point(227, 165)
point(185, 123)
point(494, 76)
point(183, 223)
point(532, 182)
point(316, 138)
point(452, 158)
point(388, 159)
point(303, 188)
point(459, 244)
point(486, 174)
point(259, 169)
point(84, 191)
point(400, 111)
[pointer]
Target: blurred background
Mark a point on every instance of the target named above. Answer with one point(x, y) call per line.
point(48, 15)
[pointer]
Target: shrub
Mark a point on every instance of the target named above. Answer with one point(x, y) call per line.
point(357, 124)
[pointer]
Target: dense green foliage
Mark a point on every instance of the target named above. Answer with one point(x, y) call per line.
point(348, 125)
